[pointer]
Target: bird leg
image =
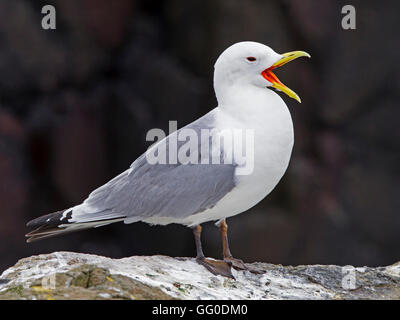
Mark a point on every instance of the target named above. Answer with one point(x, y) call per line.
point(217, 267)
point(236, 263)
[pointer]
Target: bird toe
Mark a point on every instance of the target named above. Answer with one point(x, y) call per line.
point(216, 267)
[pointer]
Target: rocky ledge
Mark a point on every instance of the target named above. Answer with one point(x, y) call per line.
point(67, 275)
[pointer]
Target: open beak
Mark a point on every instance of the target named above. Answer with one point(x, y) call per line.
point(276, 83)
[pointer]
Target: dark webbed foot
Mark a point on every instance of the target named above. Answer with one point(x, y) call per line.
point(240, 265)
point(216, 267)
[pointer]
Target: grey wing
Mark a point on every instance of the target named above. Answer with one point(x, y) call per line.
point(161, 190)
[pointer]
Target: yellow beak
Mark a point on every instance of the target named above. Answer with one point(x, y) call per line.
point(272, 78)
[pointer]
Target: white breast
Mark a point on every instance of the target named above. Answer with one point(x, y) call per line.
point(266, 113)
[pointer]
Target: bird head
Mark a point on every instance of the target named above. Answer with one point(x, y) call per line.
point(252, 63)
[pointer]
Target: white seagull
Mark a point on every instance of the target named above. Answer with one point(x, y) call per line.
point(193, 193)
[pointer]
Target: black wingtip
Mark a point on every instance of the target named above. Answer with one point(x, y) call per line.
point(47, 225)
point(50, 220)
point(57, 223)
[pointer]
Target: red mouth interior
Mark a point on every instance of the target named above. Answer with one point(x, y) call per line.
point(270, 76)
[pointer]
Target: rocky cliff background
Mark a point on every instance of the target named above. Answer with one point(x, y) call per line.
point(76, 103)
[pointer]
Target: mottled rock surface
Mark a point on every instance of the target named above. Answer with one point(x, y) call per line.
point(67, 275)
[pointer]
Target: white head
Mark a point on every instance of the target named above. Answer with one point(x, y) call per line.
point(251, 63)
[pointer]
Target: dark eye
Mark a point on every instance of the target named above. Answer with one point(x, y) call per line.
point(251, 59)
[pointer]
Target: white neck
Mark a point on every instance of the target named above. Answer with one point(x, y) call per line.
point(239, 97)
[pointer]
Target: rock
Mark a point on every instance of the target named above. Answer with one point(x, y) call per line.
point(67, 275)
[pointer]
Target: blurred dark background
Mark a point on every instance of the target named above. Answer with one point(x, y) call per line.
point(76, 103)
